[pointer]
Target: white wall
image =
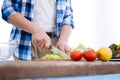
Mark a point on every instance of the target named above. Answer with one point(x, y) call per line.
point(107, 14)
point(84, 22)
point(96, 23)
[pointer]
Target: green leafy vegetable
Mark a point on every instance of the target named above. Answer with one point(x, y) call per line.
point(53, 55)
point(113, 48)
point(80, 47)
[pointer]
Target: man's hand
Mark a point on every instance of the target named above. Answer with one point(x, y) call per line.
point(62, 43)
point(41, 39)
point(63, 46)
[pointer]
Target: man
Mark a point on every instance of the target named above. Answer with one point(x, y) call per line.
point(38, 24)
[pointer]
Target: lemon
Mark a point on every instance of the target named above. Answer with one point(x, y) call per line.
point(104, 54)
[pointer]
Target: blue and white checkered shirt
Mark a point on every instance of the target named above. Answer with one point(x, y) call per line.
point(64, 14)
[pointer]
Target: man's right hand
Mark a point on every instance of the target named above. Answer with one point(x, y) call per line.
point(41, 39)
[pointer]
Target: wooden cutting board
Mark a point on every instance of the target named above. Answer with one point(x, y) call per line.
point(41, 69)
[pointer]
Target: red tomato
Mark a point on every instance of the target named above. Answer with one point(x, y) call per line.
point(90, 54)
point(76, 55)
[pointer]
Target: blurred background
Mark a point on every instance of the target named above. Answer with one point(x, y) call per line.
point(97, 23)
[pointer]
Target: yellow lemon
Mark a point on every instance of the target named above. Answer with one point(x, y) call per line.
point(104, 54)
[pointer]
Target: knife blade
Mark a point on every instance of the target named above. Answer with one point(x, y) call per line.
point(55, 49)
point(115, 59)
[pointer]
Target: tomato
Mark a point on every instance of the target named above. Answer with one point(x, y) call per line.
point(90, 54)
point(76, 55)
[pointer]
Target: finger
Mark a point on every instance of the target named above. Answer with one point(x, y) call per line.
point(37, 41)
point(42, 45)
point(48, 43)
point(68, 50)
point(47, 46)
point(61, 48)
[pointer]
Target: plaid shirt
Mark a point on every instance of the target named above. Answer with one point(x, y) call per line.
point(64, 15)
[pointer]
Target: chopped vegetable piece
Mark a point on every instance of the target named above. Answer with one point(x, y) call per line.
point(53, 56)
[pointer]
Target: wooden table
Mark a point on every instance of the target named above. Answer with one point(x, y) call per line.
point(43, 69)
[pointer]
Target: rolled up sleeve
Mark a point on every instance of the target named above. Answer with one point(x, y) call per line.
point(68, 17)
point(7, 9)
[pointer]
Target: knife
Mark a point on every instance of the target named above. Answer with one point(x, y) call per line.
point(55, 49)
point(115, 59)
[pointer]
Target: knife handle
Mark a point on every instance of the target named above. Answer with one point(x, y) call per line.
point(51, 46)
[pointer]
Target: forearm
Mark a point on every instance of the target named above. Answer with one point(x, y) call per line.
point(65, 32)
point(19, 21)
